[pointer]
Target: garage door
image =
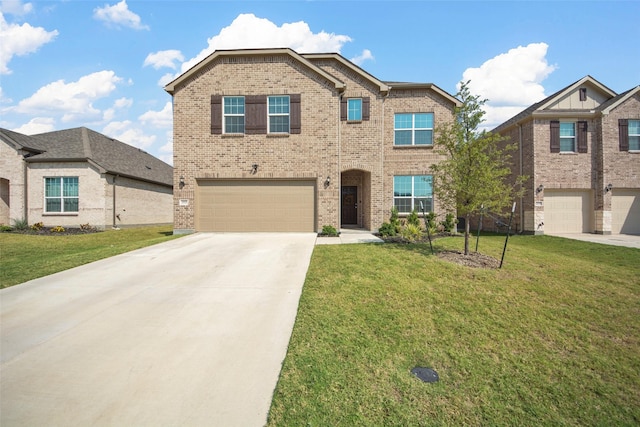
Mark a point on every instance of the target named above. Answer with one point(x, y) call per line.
point(625, 211)
point(567, 211)
point(255, 205)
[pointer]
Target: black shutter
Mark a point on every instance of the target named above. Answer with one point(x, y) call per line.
point(294, 111)
point(623, 129)
point(366, 108)
point(555, 136)
point(343, 109)
point(255, 114)
point(582, 137)
point(583, 94)
point(216, 114)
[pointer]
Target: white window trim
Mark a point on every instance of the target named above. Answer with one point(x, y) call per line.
point(632, 134)
point(269, 114)
point(349, 110)
point(225, 115)
point(413, 197)
point(413, 130)
point(574, 137)
point(61, 197)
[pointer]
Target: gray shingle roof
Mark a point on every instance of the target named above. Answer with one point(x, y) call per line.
point(113, 156)
point(20, 141)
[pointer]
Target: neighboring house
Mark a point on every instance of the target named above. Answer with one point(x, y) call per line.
point(580, 148)
point(273, 140)
point(78, 176)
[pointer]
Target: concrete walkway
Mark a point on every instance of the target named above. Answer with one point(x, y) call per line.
point(349, 235)
point(627, 240)
point(191, 332)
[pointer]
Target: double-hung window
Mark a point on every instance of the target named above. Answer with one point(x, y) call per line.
point(567, 137)
point(233, 114)
point(410, 190)
point(278, 111)
point(413, 129)
point(634, 135)
point(354, 109)
point(61, 194)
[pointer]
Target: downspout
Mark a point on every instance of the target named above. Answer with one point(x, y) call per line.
point(25, 196)
point(521, 224)
point(114, 201)
point(384, 98)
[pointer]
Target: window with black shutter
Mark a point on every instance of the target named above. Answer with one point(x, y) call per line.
point(582, 137)
point(623, 130)
point(555, 136)
point(216, 114)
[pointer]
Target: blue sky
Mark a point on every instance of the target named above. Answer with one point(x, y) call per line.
point(102, 64)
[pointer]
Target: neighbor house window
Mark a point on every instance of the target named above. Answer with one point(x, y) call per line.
point(354, 109)
point(233, 114)
point(567, 137)
point(410, 190)
point(634, 135)
point(413, 129)
point(278, 112)
point(61, 194)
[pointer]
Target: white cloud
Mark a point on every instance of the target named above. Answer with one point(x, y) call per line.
point(125, 131)
point(364, 56)
point(15, 7)
point(118, 104)
point(74, 100)
point(249, 31)
point(118, 16)
point(161, 119)
point(510, 81)
point(164, 58)
point(4, 100)
point(20, 40)
point(166, 79)
point(166, 151)
point(37, 125)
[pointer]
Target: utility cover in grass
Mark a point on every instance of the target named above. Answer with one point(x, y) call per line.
point(427, 375)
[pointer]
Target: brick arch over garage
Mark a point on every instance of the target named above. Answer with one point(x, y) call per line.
point(356, 208)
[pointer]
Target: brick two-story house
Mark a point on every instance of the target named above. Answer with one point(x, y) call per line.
point(274, 140)
point(580, 148)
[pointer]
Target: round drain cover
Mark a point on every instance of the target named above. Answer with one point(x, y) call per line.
point(427, 375)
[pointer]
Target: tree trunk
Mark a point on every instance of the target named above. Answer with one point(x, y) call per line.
point(467, 229)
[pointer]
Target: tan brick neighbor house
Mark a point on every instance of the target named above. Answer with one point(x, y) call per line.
point(78, 176)
point(580, 148)
point(273, 140)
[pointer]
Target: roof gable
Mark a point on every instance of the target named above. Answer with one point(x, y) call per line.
point(193, 71)
point(382, 86)
point(20, 141)
point(608, 106)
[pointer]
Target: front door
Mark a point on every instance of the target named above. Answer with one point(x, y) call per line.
point(349, 205)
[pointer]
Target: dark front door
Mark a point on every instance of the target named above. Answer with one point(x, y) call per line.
point(349, 205)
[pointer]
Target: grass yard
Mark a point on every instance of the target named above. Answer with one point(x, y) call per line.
point(28, 256)
point(552, 339)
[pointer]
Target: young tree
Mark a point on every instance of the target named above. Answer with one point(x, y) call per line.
point(477, 166)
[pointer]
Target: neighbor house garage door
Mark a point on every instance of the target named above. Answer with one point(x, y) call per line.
point(567, 211)
point(625, 211)
point(255, 205)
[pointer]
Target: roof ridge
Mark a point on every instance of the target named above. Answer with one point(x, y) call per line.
point(86, 145)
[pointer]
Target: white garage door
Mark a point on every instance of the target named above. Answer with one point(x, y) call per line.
point(255, 205)
point(625, 211)
point(568, 211)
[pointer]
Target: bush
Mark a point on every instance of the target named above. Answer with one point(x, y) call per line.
point(329, 230)
point(413, 219)
point(87, 227)
point(57, 229)
point(4, 228)
point(387, 230)
point(37, 226)
point(449, 223)
point(411, 232)
point(430, 222)
point(20, 224)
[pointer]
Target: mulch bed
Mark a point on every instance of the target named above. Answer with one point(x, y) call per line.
point(48, 231)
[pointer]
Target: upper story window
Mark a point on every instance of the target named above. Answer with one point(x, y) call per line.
point(634, 135)
point(354, 109)
point(413, 129)
point(233, 114)
point(410, 190)
point(61, 194)
point(567, 137)
point(278, 108)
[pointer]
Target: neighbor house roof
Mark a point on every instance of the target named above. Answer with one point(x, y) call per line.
point(107, 154)
point(541, 105)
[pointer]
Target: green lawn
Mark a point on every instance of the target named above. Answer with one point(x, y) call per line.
point(552, 339)
point(28, 256)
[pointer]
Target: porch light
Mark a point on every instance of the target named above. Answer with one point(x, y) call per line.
point(539, 189)
point(327, 182)
point(181, 183)
point(608, 188)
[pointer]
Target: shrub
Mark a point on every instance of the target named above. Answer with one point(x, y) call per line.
point(430, 222)
point(413, 219)
point(411, 232)
point(4, 227)
point(87, 227)
point(329, 230)
point(449, 223)
point(20, 224)
point(387, 230)
point(37, 226)
point(57, 229)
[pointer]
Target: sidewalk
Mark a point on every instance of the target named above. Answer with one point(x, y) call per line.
point(349, 235)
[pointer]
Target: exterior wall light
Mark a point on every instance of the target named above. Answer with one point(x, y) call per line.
point(539, 189)
point(181, 183)
point(254, 168)
point(608, 188)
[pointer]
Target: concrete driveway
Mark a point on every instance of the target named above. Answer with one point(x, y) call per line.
point(628, 240)
point(191, 332)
